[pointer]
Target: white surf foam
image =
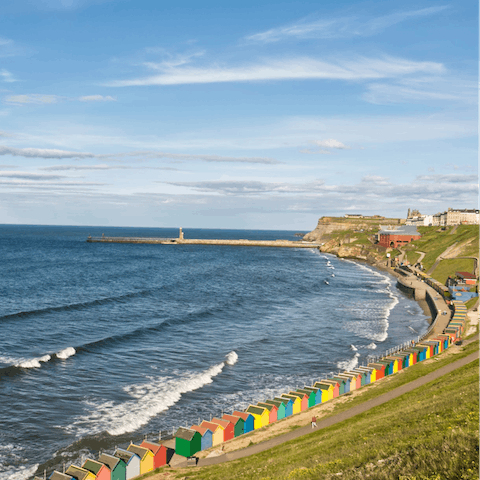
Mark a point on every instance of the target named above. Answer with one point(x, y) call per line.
point(232, 358)
point(34, 362)
point(353, 347)
point(371, 346)
point(349, 364)
point(17, 473)
point(146, 401)
point(412, 329)
point(66, 352)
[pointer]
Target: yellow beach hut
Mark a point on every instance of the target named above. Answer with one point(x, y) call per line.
point(79, 473)
point(146, 457)
point(327, 391)
point(217, 431)
point(260, 415)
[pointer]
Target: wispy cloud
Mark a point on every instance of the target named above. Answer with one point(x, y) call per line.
point(300, 68)
point(30, 176)
point(97, 98)
point(33, 99)
point(150, 154)
point(61, 168)
point(315, 152)
point(449, 178)
point(249, 187)
point(7, 76)
point(42, 153)
point(341, 27)
point(331, 143)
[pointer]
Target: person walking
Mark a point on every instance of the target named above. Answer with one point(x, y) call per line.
point(314, 421)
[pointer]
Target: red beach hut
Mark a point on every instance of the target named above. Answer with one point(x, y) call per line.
point(228, 428)
point(273, 409)
point(159, 453)
point(101, 471)
point(303, 399)
point(336, 386)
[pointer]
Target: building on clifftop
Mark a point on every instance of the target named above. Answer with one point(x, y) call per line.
point(393, 237)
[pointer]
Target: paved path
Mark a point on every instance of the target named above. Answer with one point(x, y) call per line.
point(327, 422)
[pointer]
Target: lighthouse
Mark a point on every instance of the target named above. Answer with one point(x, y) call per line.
point(180, 234)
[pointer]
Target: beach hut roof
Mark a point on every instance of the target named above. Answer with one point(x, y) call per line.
point(277, 403)
point(283, 400)
point(324, 386)
point(124, 455)
point(77, 472)
point(232, 418)
point(256, 410)
point(298, 394)
point(201, 430)
point(211, 426)
point(223, 423)
point(154, 447)
point(185, 433)
point(243, 415)
point(58, 476)
point(140, 451)
point(109, 460)
point(268, 406)
point(93, 466)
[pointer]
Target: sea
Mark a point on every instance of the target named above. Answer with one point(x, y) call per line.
point(104, 344)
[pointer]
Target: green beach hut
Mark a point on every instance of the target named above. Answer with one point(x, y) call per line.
point(187, 442)
point(280, 408)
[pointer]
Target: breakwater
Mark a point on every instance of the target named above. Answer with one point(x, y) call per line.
point(226, 242)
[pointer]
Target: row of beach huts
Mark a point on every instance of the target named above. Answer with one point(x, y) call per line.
point(136, 460)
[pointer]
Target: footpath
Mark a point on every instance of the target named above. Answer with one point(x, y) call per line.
point(327, 422)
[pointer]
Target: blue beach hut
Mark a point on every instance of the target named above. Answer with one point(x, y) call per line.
point(288, 405)
point(207, 436)
point(248, 420)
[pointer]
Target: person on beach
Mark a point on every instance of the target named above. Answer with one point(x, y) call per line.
point(314, 422)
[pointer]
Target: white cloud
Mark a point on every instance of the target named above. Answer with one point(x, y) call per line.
point(34, 99)
point(301, 68)
point(30, 176)
point(42, 153)
point(331, 143)
point(342, 27)
point(7, 76)
point(59, 168)
point(97, 98)
point(449, 178)
point(316, 152)
point(376, 180)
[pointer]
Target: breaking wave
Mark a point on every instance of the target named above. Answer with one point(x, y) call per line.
point(349, 364)
point(147, 401)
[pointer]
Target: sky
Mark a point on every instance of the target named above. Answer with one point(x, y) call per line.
point(248, 115)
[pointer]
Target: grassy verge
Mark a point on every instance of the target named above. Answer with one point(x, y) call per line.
point(471, 302)
point(430, 433)
point(450, 266)
point(412, 257)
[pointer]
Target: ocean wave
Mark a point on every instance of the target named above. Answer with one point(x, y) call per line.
point(21, 472)
point(349, 364)
point(147, 401)
point(353, 347)
point(371, 346)
point(77, 306)
point(16, 366)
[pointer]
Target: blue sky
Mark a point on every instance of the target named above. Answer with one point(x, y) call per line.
point(258, 115)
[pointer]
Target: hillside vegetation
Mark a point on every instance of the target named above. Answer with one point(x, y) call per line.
point(355, 238)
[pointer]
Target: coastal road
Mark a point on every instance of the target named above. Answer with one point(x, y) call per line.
point(327, 422)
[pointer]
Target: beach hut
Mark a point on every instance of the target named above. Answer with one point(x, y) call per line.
point(228, 428)
point(335, 386)
point(159, 453)
point(312, 396)
point(343, 384)
point(248, 420)
point(132, 462)
point(187, 442)
point(358, 378)
point(397, 362)
point(146, 457)
point(388, 365)
point(100, 470)
point(217, 432)
point(379, 370)
point(362, 376)
point(446, 340)
point(207, 436)
point(118, 468)
point(303, 399)
point(297, 403)
point(261, 416)
point(58, 476)
point(272, 411)
point(352, 381)
point(421, 352)
point(280, 408)
point(428, 350)
point(318, 392)
point(330, 389)
point(370, 374)
point(288, 402)
point(414, 355)
point(79, 473)
point(237, 424)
